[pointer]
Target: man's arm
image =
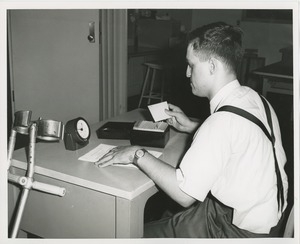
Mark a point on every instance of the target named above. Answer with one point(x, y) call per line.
point(164, 176)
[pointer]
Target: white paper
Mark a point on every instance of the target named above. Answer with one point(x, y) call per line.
point(158, 111)
point(98, 152)
point(95, 154)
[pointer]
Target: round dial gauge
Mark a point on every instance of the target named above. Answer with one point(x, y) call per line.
point(83, 129)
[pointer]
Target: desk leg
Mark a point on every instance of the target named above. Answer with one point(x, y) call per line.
point(266, 86)
point(130, 215)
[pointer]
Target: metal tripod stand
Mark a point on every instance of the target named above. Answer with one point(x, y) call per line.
point(47, 130)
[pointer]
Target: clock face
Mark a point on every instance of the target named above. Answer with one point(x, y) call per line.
point(83, 129)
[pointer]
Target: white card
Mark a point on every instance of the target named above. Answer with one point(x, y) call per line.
point(158, 111)
point(95, 154)
point(98, 152)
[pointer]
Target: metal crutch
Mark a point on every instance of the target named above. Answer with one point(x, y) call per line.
point(48, 130)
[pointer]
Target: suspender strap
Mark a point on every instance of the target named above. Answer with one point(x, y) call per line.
point(246, 115)
point(280, 196)
point(252, 118)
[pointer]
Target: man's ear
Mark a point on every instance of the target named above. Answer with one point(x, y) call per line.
point(212, 65)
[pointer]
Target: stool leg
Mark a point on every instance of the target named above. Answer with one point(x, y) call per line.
point(144, 86)
point(152, 85)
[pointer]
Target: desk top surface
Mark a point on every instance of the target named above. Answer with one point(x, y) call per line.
point(53, 160)
point(278, 69)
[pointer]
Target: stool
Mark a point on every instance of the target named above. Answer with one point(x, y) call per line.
point(148, 89)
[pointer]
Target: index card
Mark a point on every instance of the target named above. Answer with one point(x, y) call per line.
point(158, 111)
point(98, 152)
point(95, 154)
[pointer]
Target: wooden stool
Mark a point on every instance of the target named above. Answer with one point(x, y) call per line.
point(148, 89)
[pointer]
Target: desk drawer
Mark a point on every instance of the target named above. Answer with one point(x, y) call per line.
point(81, 213)
point(281, 85)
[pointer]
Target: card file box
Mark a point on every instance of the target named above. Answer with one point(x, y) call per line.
point(150, 134)
point(115, 130)
point(142, 133)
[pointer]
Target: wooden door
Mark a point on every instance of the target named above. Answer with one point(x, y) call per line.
point(54, 67)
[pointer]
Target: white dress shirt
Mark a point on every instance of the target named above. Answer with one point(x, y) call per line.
point(232, 157)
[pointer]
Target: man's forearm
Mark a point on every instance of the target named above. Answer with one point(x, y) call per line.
point(164, 176)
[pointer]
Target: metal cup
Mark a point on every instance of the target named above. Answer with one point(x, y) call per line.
point(22, 121)
point(50, 130)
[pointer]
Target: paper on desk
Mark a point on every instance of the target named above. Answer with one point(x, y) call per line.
point(158, 111)
point(98, 152)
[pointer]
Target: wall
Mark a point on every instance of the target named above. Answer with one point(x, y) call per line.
point(182, 15)
point(268, 38)
point(206, 16)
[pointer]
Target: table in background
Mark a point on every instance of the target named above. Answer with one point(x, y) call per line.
point(99, 202)
point(277, 77)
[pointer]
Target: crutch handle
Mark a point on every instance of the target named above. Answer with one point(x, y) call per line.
point(30, 184)
point(22, 180)
point(55, 190)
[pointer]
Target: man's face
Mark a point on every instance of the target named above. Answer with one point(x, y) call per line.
point(199, 73)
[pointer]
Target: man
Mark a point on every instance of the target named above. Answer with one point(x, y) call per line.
point(229, 180)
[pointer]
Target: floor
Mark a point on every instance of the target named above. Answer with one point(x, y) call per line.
point(160, 204)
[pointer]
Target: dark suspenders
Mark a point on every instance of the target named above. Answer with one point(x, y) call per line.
point(247, 115)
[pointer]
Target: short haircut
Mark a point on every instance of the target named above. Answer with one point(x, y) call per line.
point(218, 40)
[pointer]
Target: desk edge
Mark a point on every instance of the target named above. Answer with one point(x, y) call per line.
point(84, 183)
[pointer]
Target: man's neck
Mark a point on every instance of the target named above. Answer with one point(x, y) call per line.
point(220, 81)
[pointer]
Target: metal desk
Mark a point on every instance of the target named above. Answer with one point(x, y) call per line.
point(100, 202)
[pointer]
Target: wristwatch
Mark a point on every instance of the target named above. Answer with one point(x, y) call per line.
point(139, 154)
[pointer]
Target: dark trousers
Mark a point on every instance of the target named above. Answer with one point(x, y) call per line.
point(208, 219)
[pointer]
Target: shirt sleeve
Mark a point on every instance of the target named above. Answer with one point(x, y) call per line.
point(206, 158)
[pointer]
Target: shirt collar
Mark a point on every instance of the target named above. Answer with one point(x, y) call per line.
point(222, 94)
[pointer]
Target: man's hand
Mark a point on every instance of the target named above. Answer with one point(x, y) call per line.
point(179, 120)
point(118, 155)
